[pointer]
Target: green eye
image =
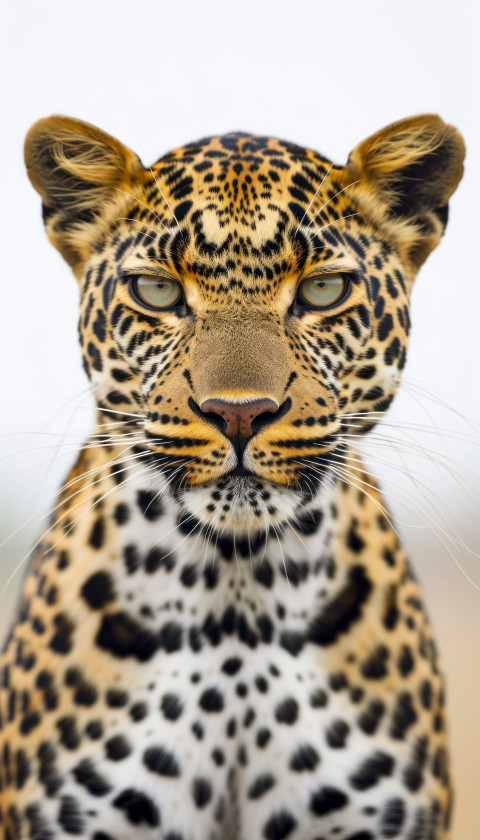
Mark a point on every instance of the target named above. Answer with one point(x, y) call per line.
point(323, 290)
point(156, 292)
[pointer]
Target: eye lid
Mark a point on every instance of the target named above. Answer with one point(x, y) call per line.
point(152, 271)
point(339, 263)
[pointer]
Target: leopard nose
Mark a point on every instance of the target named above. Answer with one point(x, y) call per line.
point(239, 421)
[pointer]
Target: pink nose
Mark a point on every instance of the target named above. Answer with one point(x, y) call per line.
point(238, 417)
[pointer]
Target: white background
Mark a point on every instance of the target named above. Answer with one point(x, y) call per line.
point(323, 74)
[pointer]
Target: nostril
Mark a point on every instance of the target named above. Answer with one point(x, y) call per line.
point(265, 419)
point(211, 417)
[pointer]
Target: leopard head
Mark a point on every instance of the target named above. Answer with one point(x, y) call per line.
point(244, 301)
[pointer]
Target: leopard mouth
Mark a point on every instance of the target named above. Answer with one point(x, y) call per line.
point(241, 472)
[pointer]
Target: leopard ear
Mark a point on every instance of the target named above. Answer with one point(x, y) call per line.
point(406, 174)
point(79, 172)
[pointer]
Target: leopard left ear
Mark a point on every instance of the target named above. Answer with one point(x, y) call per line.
point(406, 174)
point(80, 173)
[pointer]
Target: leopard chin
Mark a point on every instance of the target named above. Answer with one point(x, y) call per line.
point(242, 506)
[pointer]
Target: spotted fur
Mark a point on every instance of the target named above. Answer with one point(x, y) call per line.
point(215, 643)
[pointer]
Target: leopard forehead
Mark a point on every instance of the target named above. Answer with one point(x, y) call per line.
point(239, 212)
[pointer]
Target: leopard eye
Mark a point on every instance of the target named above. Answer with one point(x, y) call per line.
point(155, 292)
point(322, 290)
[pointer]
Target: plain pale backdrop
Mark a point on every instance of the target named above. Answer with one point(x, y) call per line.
point(322, 74)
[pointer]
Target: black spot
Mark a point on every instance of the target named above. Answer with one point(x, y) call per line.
point(116, 698)
point(318, 698)
point(361, 835)
point(160, 761)
point(198, 730)
point(122, 636)
point(250, 716)
point(263, 574)
point(374, 667)
point(287, 711)
point(85, 694)
point(426, 694)
point(336, 734)
point(70, 816)
point(97, 534)
point(369, 720)
point(182, 209)
point(98, 590)
point(149, 504)
point(94, 729)
point(22, 768)
point(218, 757)
point(98, 326)
point(138, 807)
point(201, 792)
point(263, 737)
point(189, 575)
point(338, 681)
point(29, 722)
point(309, 522)
point(86, 775)
point(61, 641)
point(117, 748)
point(260, 786)
point(406, 661)
point(69, 736)
point(121, 514)
point(292, 641)
point(403, 716)
point(327, 799)
point(210, 576)
point(242, 756)
point(413, 773)
point(38, 828)
point(138, 711)
point(95, 356)
point(343, 610)
point(265, 627)
point(354, 541)
point(211, 700)
point(279, 826)
point(392, 818)
point(371, 771)
point(305, 757)
point(131, 558)
point(385, 327)
point(171, 706)
point(171, 636)
point(232, 666)
point(157, 558)
point(48, 773)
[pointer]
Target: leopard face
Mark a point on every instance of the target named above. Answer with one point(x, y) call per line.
point(244, 302)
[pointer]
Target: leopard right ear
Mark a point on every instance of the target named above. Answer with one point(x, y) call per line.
point(79, 172)
point(405, 175)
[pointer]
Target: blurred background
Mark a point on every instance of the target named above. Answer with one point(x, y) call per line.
point(322, 74)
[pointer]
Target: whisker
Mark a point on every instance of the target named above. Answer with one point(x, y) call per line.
point(327, 173)
point(335, 222)
point(331, 199)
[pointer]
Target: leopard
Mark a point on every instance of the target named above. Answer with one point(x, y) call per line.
point(219, 635)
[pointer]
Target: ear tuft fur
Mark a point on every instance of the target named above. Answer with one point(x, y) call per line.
point(408, 172)
point(77, 169)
